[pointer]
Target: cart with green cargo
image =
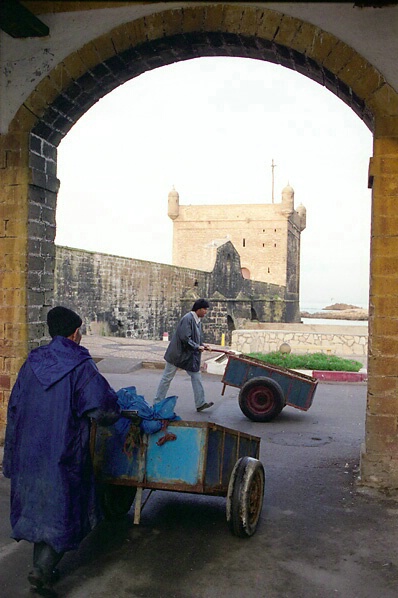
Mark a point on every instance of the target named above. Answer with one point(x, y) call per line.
point(266, 389)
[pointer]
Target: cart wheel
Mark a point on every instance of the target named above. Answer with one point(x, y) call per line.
point(116, 500)
point(261, 399)
point(245, 496)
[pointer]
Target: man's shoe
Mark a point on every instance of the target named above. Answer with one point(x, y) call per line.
point(55, 575)
point(36, 578)
point(39, 581)
point(205, 406)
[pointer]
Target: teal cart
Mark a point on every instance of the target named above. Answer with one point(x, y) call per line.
point(203, 458)
point(266, 389)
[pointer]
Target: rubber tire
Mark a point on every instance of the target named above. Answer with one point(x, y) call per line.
point(116, 500)
point(245, 496)
point(261, 399)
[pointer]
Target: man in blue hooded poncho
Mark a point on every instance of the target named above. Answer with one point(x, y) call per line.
point(46, 453)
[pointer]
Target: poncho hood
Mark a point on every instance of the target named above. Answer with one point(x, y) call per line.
point(54, 361)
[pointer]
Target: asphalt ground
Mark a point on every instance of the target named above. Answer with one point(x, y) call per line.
point(321, 534)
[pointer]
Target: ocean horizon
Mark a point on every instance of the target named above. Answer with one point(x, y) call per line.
point(314, 307)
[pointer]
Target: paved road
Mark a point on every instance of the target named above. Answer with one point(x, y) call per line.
point(320, 534)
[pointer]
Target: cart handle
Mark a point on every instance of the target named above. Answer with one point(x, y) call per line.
point(130, 414)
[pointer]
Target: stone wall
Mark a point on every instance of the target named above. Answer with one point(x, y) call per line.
point(334, 340)
point(140, 299)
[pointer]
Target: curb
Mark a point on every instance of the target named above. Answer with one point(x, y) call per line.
point(153, 365)
point(340, 376)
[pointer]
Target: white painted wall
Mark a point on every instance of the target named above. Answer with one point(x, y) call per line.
point(353, 341)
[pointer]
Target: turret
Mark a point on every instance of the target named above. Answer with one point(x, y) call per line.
point(173, 204)
point(288, 200)
point(302, 212)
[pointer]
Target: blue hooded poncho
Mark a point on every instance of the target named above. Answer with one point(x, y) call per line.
point(46, 452)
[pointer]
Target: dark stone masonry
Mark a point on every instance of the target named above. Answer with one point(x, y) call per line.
point(139, 299)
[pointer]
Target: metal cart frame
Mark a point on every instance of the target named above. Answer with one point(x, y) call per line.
point(205, 458)
point(266, 389)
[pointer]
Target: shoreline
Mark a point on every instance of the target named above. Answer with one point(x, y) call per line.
point(342, 314)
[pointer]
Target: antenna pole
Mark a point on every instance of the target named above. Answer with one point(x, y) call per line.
point(273, 178)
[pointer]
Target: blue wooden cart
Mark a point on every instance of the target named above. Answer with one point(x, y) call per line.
point(204, 458)
point(266, 389)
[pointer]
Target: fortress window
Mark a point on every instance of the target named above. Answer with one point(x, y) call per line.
point(274, 244)
point(268, 270)
point(244, 243)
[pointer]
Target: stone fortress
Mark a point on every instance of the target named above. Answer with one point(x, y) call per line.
point(244, 258)
point(266, 237)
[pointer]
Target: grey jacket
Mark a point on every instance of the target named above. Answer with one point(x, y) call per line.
point(183, 350)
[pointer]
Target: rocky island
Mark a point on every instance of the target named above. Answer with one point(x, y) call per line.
point(339, 311)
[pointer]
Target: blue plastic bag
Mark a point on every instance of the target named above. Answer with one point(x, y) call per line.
point(150, 416)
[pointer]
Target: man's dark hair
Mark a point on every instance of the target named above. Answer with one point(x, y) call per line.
point(62, 321)
point(199, 304)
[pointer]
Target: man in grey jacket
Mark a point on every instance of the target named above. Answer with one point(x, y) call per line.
point(185, 352)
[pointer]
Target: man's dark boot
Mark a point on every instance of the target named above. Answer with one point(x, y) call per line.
point(44, 574)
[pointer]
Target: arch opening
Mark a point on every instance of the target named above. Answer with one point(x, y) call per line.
point(99, 80)
point(58, 119)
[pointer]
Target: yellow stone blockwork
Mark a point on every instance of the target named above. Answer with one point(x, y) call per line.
point(269, 24)
point(232, 19)
point(385, 345)
point(386, 126)
point(287, 31)
point(75, 66)
point(339, 57)
point(321, 46)
point(60, 78)
point(384, 99)
point(24, 120)
point(193, 19)
point(382, 425)
point(89, 55)
point(14, 176)
point(175, 23)
point(249, 21)
point(304, 38)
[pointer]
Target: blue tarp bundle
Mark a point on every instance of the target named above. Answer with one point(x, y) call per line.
point(151, 417)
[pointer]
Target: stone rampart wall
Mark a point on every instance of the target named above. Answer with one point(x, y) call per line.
point(138, 299)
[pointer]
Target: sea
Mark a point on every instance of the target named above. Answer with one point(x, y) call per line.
point(318, 307)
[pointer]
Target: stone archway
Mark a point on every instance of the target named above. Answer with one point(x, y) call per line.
point(28, 156)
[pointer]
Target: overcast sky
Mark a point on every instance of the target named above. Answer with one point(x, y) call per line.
point(211, 127)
